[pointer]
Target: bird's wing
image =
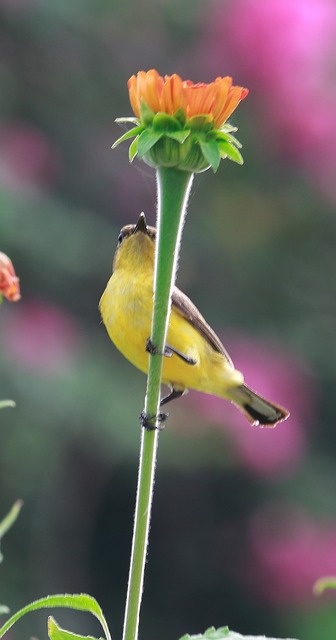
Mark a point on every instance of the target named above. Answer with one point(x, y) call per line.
point(183, 305)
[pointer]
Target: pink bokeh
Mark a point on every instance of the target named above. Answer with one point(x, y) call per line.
point(285, 52)
point(280, 377)
point(41, 337)
point(27, 159)
point(287, 553)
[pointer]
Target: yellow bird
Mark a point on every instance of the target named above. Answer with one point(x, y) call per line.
point(195, 357)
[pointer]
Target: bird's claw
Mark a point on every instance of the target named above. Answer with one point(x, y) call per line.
point(153, 422)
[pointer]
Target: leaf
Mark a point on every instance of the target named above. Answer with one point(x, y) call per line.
point(81, 602)
point(224, 633)
point(328, 582)
point(147, 140)
point(55, 632)
point(7, 403)
point(227, 149)
point(129, 134)
point(211, 152)
point(3, 609)
point(9, 520)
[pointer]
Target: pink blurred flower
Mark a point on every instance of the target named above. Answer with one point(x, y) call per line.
point(278, 377)
point(41, 337)
point(9, 282)
point(287, 553)
point(287, 50)
point(27, 159)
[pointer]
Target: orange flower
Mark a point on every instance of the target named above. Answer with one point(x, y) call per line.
point(9, 282)
point(217, 99)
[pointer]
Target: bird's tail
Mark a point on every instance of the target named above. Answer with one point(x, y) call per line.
point(258, 410)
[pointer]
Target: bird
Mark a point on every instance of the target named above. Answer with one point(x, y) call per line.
point(194, 356)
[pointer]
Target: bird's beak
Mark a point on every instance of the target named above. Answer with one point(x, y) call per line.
point(141, 225)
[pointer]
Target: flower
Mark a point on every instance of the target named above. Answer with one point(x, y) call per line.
point(169, 94)
point(9, 282)
point(287, 553)
point(42, 338)
point(181, 124)
point(278, 376)
point(290, 66)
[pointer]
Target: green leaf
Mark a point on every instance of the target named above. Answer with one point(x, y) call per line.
point(55, 632)
point(147, 140)
point(133, 149)
point(7, 403)
point(227, 149)
point(129, 134)
point(9, 520)
point(81, 602)
point(223, 632)
point(164, 122)
point(180, 136)
point(211, 152)
point(328, 582)
point(146, 114)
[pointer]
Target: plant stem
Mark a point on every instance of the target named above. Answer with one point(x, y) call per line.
point(173, 190)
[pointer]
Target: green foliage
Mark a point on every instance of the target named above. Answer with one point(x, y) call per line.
point(80, 602)
point(223, 633)
point(55, 632)
point(10, 518)
point(7, 403)
point(328, 582)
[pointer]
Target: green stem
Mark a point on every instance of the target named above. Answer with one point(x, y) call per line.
point(173, 190)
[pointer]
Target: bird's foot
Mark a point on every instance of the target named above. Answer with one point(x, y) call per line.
point(153, 422)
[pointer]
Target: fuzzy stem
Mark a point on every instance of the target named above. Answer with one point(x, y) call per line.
point(173, 190)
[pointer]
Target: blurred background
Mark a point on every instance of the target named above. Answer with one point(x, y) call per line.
point(244, 519)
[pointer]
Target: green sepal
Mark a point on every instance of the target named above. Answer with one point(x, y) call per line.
point(180, 136)
point(210, 152)
point(220, 135)
point(129, 134)
point(147, 140)
point(164, 122)
point(55, 632)
point(181, 117)
point(146, 114)
point(132, 119)
point(200, 123)
point(133, 149)
point(228, 128)
point(228, 150)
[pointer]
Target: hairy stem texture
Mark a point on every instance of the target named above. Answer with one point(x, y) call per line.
point(173, 191)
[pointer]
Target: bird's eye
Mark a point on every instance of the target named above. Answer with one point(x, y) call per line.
point(120, 238)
